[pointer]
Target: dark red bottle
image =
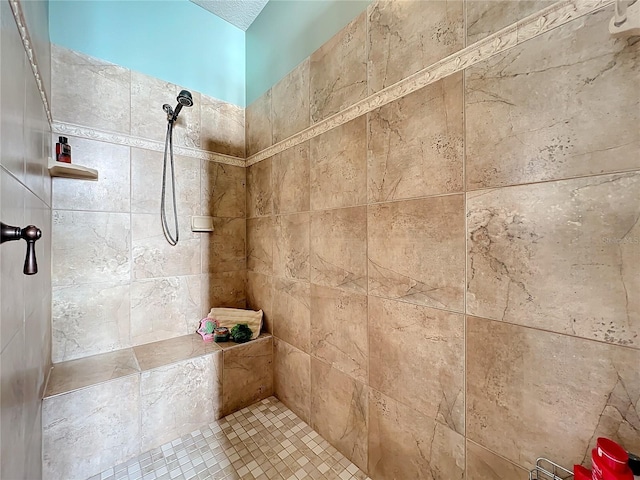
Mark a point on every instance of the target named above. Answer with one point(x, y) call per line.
point(63, 150)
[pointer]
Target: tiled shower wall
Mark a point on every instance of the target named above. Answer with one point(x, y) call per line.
point(116, 281)
point(451, 278)
point(25, 331)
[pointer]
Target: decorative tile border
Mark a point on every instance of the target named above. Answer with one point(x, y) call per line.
point(501, 41)
point(18, 15)
point(70, 129)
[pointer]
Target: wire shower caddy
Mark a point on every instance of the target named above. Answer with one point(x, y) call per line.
point(547, 470)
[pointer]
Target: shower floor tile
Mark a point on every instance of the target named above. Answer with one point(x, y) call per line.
point(265, 441)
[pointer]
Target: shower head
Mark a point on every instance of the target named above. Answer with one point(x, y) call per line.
point(185, 99)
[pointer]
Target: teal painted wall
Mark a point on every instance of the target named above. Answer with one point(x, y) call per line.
point(174, 40)
point(288, 31)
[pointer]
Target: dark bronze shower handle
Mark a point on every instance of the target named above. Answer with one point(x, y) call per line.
point(30, 234)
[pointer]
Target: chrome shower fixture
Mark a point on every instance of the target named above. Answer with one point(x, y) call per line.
point(184, 100)
point(626, 20)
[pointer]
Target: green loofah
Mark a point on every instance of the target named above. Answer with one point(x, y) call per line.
point(241, 333)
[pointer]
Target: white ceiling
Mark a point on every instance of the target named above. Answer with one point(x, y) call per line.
point(240, 13)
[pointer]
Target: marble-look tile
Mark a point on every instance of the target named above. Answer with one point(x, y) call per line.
point(417, 357)
point(258, 124)
point(260, 245)
point(416, 251)
point(12, 94)
point(290, 180)
point(111, 192)
point(513, 377)
point(546, 110)
point(148, 119)
point(223, 190)
point(339, 330)
point(415, 143)
point(483, 464)
point(226, 289)
point(291, 246)
point(164, 308)
point(146, 183)
point(89, 319)
point(12, 294)
point(487, 17)
point(154, 257)
point(224, 250)
point(259, 191)
point(13, 411)
point(36, 130)
point(222, 127)
point(291, 312)
point(177, 399)
point(98, 96)
point(260, 297)
point(173, 350)
point(292, 377)
point(338, 71)
point(404, 443)
point(106, 433)
point(407, 36)
point(76, 374)
point(338, 170)
point(90, 247)
point(290, 103)
point(339, 411)
point(248, 374)
point(558, 256)
point(338, 251)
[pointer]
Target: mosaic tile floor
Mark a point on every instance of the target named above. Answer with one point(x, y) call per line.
point(265, 441)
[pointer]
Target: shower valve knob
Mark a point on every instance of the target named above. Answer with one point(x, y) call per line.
point(30, 234)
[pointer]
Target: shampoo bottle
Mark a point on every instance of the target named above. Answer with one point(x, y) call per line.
point(63, 150)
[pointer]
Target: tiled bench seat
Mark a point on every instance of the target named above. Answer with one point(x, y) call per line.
point(103, 410)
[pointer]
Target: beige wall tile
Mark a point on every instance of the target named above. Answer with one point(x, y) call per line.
point(339, 166)
point(339, 330)
point(338, 254)
point(521, 382)
point(416, 251)
point(415, 143)
point(148, 119)
point(291, 314)
point(259, 191)
point(417, 358)
point(536, 114)
point(154, 257)
point(90, 319)
point(223, 190)
point(36, 136)
point(258, 124)
point(559, 256)
point(90, 247)
point(106, 433)
point(290, 103)
point(222, 127)
point(146, 183)
point(226, 289)
point(291, 246)
point(290, 180)
point(248, 374)
point(112, 190)
point(99, 95)
point(407, 36)
point(260, 245)
point(483, 464)
point(224, 250)
point(164, 308)
point(339, 411)
point(338, 71)
point(178, 399)
point(292, 377)
point(403, 443)
point(260, 297)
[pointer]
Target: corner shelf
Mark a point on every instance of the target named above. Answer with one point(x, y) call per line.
point(70, 170)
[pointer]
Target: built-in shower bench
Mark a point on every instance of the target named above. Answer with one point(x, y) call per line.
point(103, 410)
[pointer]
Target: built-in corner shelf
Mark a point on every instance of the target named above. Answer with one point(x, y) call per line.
point(71, 170)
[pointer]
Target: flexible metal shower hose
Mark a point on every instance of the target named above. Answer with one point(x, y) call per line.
point(168, 147)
